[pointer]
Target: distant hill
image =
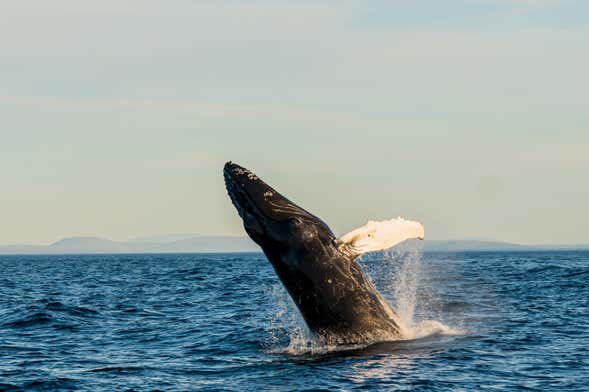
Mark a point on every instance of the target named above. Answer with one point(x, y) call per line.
point(181, 243)
point(79, 245)
point(210, 244)
point(164, 239)
point(488, 246)
point(470, 245)
point(93, 245)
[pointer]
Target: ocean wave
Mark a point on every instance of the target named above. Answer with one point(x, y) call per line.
point(46, 311)
point(117, 369)
point(29, 320)
point(73, 310)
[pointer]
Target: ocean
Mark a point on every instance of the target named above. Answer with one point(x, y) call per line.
point(503, 321)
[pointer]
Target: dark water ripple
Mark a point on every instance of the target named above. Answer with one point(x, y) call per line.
point(223, 322)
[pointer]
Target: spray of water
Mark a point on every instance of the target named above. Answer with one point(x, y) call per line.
point(286, 326)
point(404, 269)
point(401, 283)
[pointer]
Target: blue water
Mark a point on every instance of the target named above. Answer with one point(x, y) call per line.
point(504, 321)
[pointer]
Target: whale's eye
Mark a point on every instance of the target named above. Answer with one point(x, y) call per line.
point(369, 235)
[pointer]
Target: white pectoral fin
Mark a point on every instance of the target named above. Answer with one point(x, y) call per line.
point(379, 235)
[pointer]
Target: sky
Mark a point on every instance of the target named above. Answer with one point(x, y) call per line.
point(468, 115)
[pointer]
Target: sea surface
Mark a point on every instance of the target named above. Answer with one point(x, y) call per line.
point(502, 321)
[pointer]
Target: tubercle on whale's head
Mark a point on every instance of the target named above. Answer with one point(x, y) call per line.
point(267, 215)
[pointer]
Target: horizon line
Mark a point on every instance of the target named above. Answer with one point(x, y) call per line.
point(187, 236)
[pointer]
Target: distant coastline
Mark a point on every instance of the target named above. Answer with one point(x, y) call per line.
point(236, 244)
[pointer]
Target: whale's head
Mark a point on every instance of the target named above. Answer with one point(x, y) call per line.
point(270, 219)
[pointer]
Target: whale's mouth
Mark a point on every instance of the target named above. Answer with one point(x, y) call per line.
point(257, 203)
point(265, 212)
point(238, 196)
point(236, 179)
point(250, 194)
point(244, 189)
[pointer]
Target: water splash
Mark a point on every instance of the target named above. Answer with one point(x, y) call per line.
point(402, 268)
point(286, 326)
point(287, 331)
point(428, 328)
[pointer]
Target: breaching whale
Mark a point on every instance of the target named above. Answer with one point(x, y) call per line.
point(338, 302)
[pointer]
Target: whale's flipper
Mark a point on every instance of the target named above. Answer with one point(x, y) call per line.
point(379, 235)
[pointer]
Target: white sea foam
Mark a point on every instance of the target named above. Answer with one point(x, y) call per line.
point(427, 328)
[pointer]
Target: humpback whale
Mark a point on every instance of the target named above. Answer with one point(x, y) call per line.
point(337, 300)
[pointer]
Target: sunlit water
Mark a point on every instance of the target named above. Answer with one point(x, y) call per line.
point(475, 321)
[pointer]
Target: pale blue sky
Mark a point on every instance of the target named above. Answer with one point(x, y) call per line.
point(469, 115)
